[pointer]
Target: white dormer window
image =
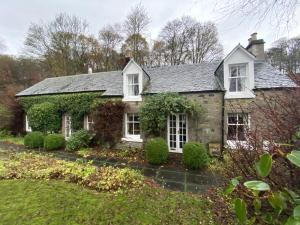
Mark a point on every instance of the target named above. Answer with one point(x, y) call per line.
point(133, 84)
point(237, 77)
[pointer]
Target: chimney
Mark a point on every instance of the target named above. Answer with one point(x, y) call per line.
point(256, 47)
point(90, 70)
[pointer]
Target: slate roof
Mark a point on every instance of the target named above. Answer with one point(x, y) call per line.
point(180, 78)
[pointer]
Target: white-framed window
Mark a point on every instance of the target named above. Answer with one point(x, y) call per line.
point(68, 126)
point(132, 127)
point(237, 77)
point(237, 126)
point(89, 123)
point(27, 126)
point(133, 84)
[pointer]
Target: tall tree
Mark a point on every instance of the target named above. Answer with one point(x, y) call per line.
point(136, 47)
point(135, 25)
point(157, 55)
point(285, 55)
point(189, 41)
point(110, 38)
point(63, 44)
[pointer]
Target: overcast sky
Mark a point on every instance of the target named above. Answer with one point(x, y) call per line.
point(16, 16)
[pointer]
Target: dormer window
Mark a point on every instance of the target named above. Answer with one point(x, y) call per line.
point(237, 77)
point(133, 84)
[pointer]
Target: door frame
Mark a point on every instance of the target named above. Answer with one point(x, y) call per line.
point(178, 149)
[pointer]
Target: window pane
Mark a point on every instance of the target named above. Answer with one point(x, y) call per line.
point(232, 118)
point(232, 84)
point(231, 135)
point(135, 78)
point(242, 71)
point(241, 84)
point(241, 132)
point(130, 128)
point(233, 71)
point(136, 90)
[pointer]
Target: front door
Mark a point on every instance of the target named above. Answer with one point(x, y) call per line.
point(177, 132)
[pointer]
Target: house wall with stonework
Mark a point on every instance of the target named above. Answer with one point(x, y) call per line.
point(250, 106)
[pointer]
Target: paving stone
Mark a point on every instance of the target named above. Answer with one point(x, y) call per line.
point(171, 175)
point(148, 172)
point(200, 179)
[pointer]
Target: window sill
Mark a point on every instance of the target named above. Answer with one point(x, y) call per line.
point(233, 95)
point(132, 99)
point(234, 144)
point(132, 139)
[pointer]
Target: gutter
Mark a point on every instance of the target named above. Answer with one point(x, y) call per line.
point(222, 126)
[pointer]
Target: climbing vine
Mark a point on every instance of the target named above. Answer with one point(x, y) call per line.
point(108, 120)
point(75, 104)
point(155, 109)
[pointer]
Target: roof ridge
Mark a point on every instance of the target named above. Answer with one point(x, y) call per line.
point(82, 74)
point(184, 64)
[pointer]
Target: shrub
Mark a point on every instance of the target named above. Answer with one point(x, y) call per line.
point(194, 155)
point(79, 139)
point(34, 140)
point(44, 117)
point(156, 151)
point(54, 141)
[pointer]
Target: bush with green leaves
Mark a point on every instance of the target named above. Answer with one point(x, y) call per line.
point(44, 117)
point(79, 139)
point(155, 109)
point(54, 141)
point(195, 155)
point(156, 151)
point(34, 140)
point(281, 206)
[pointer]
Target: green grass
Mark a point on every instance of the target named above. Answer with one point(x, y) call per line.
point(13, 139)
point(57, 202)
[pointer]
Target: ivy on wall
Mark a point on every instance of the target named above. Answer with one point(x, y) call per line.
point(44, 117)
point(108, 120)
point(155, 109)
point(76, 105)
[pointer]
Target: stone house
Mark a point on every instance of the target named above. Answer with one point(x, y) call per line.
point(239, 79)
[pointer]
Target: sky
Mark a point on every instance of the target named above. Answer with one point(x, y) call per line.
point(17, 15)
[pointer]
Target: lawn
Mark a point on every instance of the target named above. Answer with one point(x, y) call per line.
point(58, 202)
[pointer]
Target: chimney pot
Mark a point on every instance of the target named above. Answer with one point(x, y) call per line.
point(254, 36)
point(90, 70)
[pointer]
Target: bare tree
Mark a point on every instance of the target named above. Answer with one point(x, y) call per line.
point(189, 41)
point(137, 21)
point(285, 55)
point(157, 55)
point(277, 12)
point(110, 38)
point(63, 44)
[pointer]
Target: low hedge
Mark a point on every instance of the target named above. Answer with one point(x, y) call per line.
point(34, 140)
point(54, 141)
point(195, 155)
point(79, 139)
point(156, 151)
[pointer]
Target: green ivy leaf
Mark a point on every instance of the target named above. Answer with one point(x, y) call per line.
point(240, 210)
point(292, 221)
point(264, 165)
point(257, 185)
point(296, 212)
point(294, 157)
point(231, 186)
point(277, 201)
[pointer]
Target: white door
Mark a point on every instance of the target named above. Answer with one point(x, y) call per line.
point(68, 126)
point(177, 132)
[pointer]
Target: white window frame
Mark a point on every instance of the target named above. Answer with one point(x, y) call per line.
point(131, 137)
point(88, 122)
point(27, 127)
point(233, 144)
point(70, 119)
point(245, 77)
